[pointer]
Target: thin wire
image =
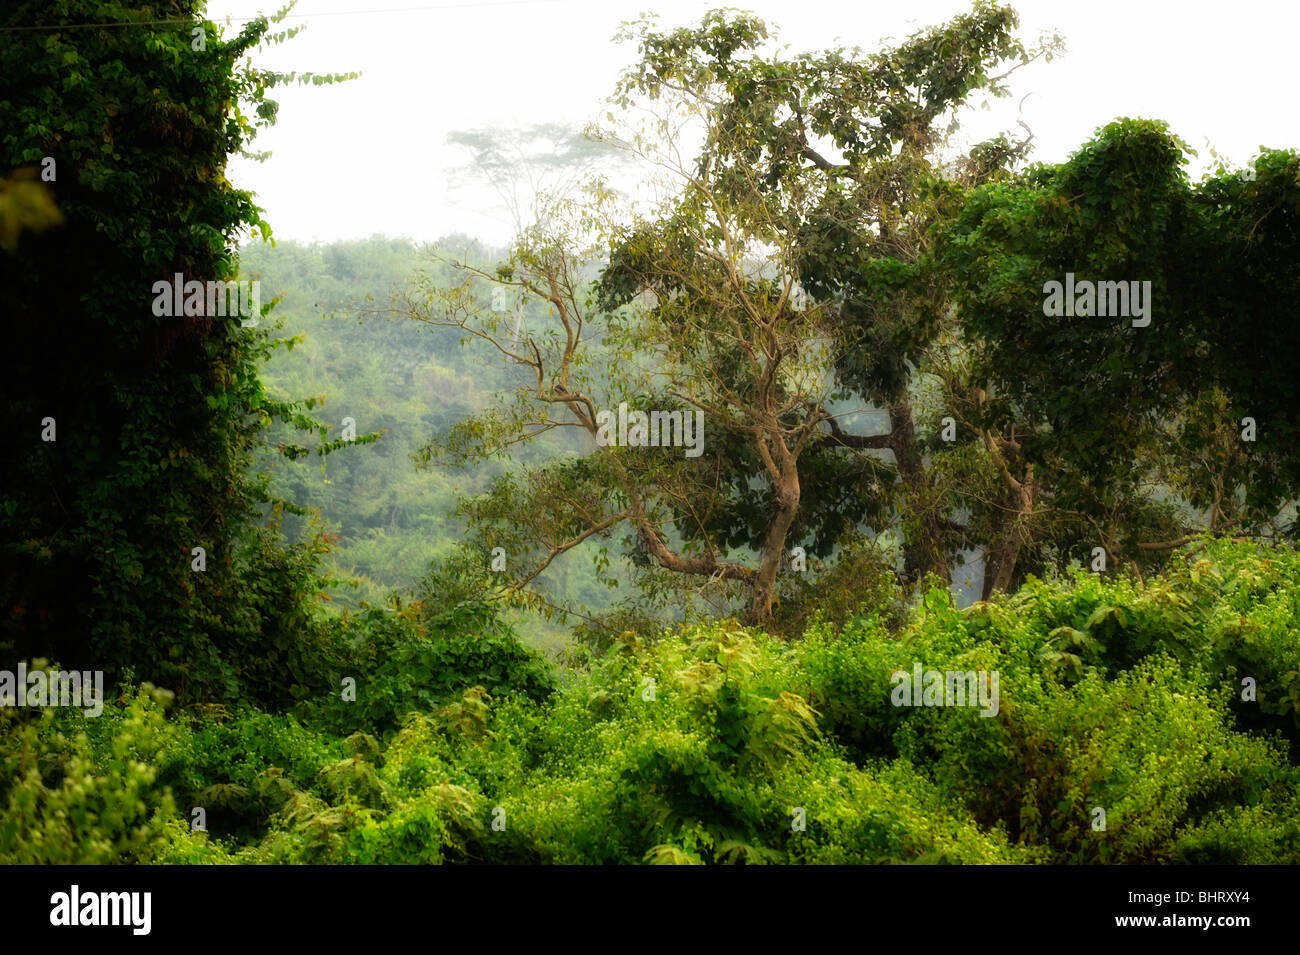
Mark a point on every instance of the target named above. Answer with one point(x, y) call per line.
point(291, 16)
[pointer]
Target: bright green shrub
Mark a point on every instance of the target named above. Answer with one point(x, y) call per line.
point(710, 745)
point(1263, 831)
point(888, 815)
point(711, 768)
point(80, 790)
point(699, 747)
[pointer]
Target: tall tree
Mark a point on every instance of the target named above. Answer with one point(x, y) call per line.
point(1158, 399)
point(131, 532)
point(717, 279)
point(862, 136)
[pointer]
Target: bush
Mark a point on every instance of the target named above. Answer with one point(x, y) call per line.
point(81, 790)
point(411, 660)
point(718, 744)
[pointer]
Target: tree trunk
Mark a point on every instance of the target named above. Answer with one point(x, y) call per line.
point(1000, 565)
point(1008, 540)
point(764, 587)
point(923, 549)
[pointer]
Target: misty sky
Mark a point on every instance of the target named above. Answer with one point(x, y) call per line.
point(371, 156)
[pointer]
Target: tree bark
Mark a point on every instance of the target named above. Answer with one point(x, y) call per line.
point(923, 551)
point(764, 586)
point(1010, 538)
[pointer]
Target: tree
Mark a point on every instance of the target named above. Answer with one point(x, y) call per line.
point(133, 536)
point(718, 275)
point(861, 244)
point(1124, 432)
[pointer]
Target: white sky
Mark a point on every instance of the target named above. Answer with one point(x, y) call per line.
point(370, 156)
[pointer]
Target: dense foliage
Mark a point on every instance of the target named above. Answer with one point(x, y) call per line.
point(136, 432)
point(698, 746)
point(1168, 394)
point(811, 275)
point(277, 698)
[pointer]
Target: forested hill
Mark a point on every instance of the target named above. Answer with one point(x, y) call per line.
point(409, 382)
point(389, 376)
